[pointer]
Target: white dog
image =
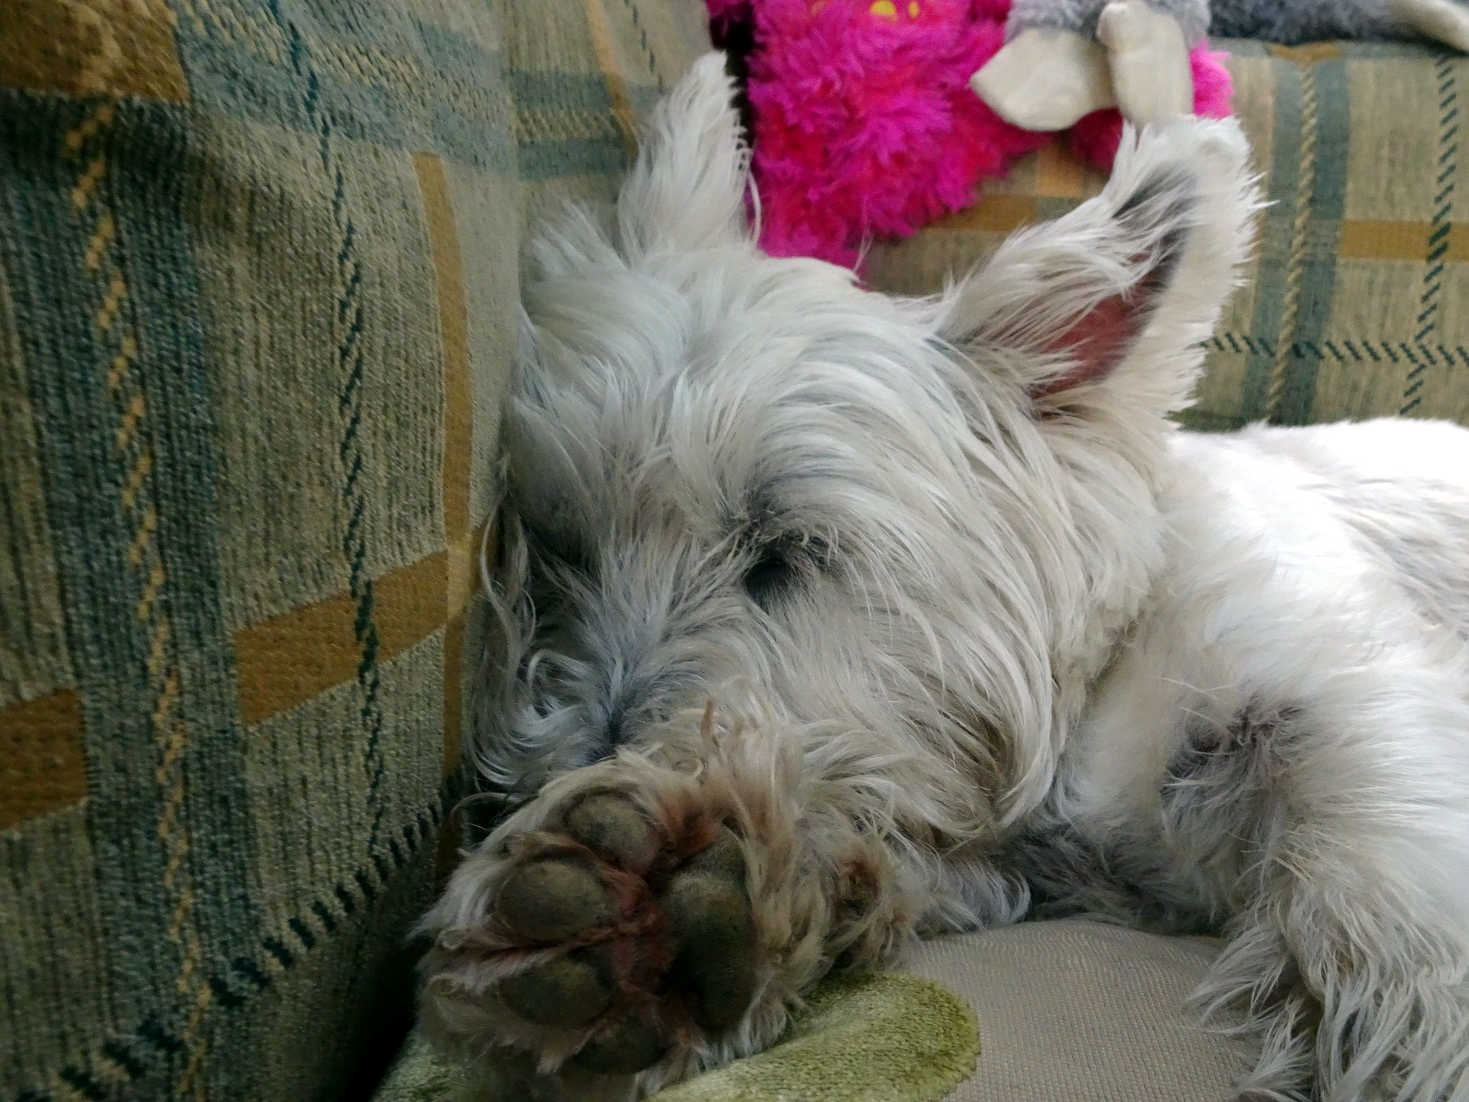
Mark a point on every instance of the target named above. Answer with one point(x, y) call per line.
point(825, 617)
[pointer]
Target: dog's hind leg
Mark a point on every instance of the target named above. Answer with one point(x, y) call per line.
point(1349, 950)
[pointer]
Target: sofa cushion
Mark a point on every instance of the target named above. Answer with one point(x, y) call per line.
point(258, 286)
point(1358, 302)
point(1074, 1011)
point(1067, 1011)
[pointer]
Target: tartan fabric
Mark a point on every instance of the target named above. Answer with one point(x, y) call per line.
point(257, 298)
point(1357, 304)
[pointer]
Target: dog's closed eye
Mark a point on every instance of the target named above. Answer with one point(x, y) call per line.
point(780, 565)
point(770, 575)
point(558, 548)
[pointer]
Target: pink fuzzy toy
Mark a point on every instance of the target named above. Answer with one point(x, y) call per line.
point(865, 125)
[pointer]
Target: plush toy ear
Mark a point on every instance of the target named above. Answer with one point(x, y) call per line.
point(1117, 295)
point(687, 188)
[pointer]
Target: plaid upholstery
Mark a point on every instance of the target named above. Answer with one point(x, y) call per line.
point(1358, 302)
point(257, 294)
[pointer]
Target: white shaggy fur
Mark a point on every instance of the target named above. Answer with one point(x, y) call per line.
point(988, 636)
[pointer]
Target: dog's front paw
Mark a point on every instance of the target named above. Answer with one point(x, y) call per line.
point(609, 938)
point(655, 929)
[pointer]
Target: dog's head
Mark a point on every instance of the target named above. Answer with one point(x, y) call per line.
point(924, 517)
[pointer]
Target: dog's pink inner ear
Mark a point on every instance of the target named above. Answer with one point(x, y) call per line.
point(1095, 343)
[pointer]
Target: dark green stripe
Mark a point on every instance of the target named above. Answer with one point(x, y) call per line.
point(1275, 237)
point(538, 90)
point(1318, 274)
point(1446, 170)
point(459, 108)
point(1328, 204)
point(542, 160)
point(1199, 420)
point(76, 420)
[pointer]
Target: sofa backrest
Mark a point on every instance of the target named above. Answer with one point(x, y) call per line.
point(258, 281)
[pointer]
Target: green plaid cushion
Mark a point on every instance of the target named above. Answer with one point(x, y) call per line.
point(257, 296)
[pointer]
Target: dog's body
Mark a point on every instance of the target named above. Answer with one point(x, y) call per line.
point(1278, 751)
point(987, 637)
point(1312, 577)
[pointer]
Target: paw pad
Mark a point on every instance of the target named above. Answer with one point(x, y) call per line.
point(552, 900)
point(709, 918)
point(625, 1045)
point(656, 924)
point(613, 829)
point(570, 992)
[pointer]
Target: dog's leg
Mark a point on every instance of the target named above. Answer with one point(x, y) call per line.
point(1349, 952)
point(658, 913)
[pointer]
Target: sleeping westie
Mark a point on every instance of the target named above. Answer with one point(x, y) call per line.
point(823, 618)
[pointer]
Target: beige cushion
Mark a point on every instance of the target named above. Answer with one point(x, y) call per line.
point(1075, 1011)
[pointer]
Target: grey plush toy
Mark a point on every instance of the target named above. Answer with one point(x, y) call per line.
point(1065, 58)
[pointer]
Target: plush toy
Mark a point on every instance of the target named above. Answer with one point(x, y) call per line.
point(865, 125)
point(1064, 59)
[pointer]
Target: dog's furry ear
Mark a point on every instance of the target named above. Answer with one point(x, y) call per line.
point(1111, 301)
point(687, 188)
